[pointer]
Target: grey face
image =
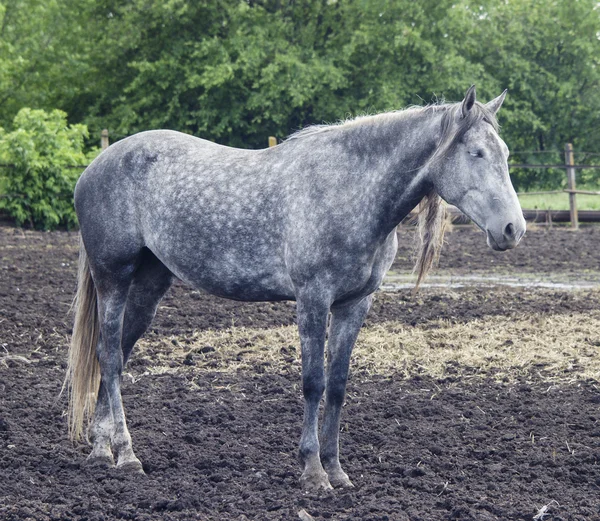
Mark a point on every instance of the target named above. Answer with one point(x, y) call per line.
point(474, 177)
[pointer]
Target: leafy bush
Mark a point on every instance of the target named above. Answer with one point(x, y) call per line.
point(39, 178)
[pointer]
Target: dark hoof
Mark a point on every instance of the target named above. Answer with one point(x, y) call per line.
point(315, 481)
point(131, 467)
point(104, 461)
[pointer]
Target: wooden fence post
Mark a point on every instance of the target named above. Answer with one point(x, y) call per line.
point(104, 139)
point(569, 162)
point(272, 141)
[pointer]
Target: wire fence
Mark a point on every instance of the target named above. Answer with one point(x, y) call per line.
point(570, 167)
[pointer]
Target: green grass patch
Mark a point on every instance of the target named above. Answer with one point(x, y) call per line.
point(559, 201)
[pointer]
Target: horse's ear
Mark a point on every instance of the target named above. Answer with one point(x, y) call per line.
point(496, 103)
point(468, 102)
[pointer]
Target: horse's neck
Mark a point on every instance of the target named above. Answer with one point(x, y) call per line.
point(407, 142)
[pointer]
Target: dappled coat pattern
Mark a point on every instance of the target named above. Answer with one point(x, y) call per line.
point(312, 220)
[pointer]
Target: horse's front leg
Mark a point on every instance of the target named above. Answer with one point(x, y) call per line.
point(312, 325)
point(345, 325)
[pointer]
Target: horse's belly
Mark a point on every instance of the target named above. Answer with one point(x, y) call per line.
point(227, 256)
point(258, 288)
point(238, 279)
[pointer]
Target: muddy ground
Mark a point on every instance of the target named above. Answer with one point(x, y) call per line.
point(218, 444)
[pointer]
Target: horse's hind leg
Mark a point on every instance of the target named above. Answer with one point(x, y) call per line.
point(150, 282)
point(101, 431)
point(112, 279)
point(345, 324)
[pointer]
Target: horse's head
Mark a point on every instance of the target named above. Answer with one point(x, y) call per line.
point(474, 171)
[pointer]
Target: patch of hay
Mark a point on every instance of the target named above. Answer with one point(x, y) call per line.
point(554, 348)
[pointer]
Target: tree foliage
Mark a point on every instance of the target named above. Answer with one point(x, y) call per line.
point(39, 177)
point(236, 72)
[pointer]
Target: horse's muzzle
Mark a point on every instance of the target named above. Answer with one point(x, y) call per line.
point(510, 237)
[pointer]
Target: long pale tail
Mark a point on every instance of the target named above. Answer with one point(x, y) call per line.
point(83, 371)
point(430, 230)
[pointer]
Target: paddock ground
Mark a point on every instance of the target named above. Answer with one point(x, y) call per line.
point(465, 402)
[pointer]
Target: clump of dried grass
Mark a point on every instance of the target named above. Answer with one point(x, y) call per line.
point(557, 347)
point(553, 348)
point(232, 349)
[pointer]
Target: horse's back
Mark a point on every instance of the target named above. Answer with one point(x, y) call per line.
point(210, 213)
point(153, 150)
point(133, 171)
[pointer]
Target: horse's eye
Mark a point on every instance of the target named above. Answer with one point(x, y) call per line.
point(476, 153)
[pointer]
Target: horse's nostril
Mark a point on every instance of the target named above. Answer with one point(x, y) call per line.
point(509, 231)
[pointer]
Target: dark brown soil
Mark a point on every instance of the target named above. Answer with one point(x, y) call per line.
point(543, 250)
point(224, 445)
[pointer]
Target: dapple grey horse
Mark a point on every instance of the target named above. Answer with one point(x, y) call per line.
point(312, 220)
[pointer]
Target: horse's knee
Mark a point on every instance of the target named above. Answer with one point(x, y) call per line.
point(313, 386)
point(336, 391)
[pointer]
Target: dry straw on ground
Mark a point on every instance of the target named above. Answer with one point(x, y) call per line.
point(554, 348)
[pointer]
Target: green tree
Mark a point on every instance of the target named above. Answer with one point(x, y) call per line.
point(229, 71)
point(547, 53)
point(43, 56)
point(235, 72)
point(39, 181)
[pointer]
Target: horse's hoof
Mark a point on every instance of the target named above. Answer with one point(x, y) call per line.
point(131, 467)
point(315, 481)
point(103, 461)
point(340, 480)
